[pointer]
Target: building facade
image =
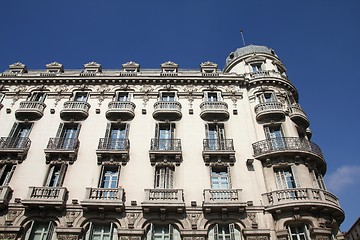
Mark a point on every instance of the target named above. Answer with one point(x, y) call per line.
point(161, 154)
point(354, 231)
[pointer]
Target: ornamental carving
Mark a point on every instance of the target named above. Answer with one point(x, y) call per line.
point(67, 237)
point(132, 218)
point(253, 219)
point(146, 89)
point(11, 216)
point(193, 238)
point(8, 236)
point(70, 217)
point(130, 238)
point(193, 218)
point(102, 89)
point(190, 89)
point(321, 237)
point(60, 89)
point(260, 238)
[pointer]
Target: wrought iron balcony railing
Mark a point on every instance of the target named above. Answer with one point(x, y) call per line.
point(15, 143)
point(32, 105)
point(63, 144)
point(121, 105)
point(76, 105)
point(218, 145)
point(285, 144)
point(167, 105)
point(213, 105)
point(164, 144)
point(114, 144)
point(268, 107)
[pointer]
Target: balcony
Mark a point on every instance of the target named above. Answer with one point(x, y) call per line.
point(270, 111)
point(214, 111)
point(5, 194)
point(104, 199)
point(288, 146)
point(46, 197)
point(167, 110)
point(113, 150)
point(298, 116)
point(30, 110)
point(62, 148)
point(223, 200)
point(120, 110)
point(14, 147)
point(303, 198)
point(218, 150)
point(163, 200)
point(168, 150)
point(75, 110)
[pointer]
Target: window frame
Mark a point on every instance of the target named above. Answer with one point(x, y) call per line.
point(256, 67)
point(77, 93)
point(6, 172)
point(37, 96)
point(112, 234)
point(234, 233)
point(168, 95)
point(164, 177)
point(102, 177)
point(56, 175)
point(217, 171)
point(172, 234)
point(35, 225)
point(282, 173)
point(305, 231)
point(208, 98)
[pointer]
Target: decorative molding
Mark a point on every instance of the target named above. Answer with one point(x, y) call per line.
point(193, 238)
point(132, 218)
point(193, 218)
point(70, 217)
point(146, 89)
point(11, 216)
point(258, 238)
point(67, 237)
point(253, 219)
point(102, 89)
point(190, 89)
point(8, 236)
point(130, 238)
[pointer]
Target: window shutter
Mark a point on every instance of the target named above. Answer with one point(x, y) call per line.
point(321, 182)
point(172, 130)
point(50, 231)
point(162, 178)
point(88, 235)
point(207, 130)
point(307, 233)
point(267, 132)
point(211, 234)
point(290, 234)
point(114, 232)
point(295, 176)
point(108, 130)
point(216, 231)
point(28, 232)
point(2, 170)
point(150, 233)
point(171, 232)
point(206, 98)
point(157, 131)
point(50, 175)
point(60, 131)
point(219, 97)
point(314, 179)
point(170, 178)
point(228, 177)
point(237, 234)
point(117, 176)
point(78, 130)
point(127, 129)
point(176, 234)
point(232, 233)
point(13, 130)
point(62, 173)
point(101, 180)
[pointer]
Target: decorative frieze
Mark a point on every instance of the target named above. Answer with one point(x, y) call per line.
point(8, 236)
point(11, 216)
point(70, 217)
point(67, 237)
point(130, 238)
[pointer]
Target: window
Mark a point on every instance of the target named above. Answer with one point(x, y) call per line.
point(267, 97)
point(165, 135)
point(215, 137)
point(56, 175)
point(164, 177)
point(298, 232)
point(286, 178)
point(6, 171)
point(167, 96)
point(67, 135)
point(123, 96)
point(18, 136)
point(224, 232)
point(256, 67)
point(117, 135)
point(220, 178)
point(318, 180)
point(2, 95)
point(212, 96)
point(163, 232)
point(37, 97)
point(275, 136)
point(101, 231)
point(109, 177)
point(81, 96)
point(40, 231)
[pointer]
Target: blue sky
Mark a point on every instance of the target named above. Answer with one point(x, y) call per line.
point(318, 41)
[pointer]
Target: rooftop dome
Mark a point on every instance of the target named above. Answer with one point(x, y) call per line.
point(250, 49)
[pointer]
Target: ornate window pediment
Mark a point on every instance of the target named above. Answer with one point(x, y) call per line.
point(131, 67)
point(92, 67)
point(55, 67)
point(255, 59)
point(18, 68)
point(208, 67)
point(169, 67)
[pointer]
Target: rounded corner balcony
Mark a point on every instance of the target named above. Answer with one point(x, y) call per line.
point(120, 110)
point(214, 111)
point(75, 110)
point(289, 146)
point(167, 110)
point(303, 199)
point(269, 111)
point(298, 116)
point(30, 110)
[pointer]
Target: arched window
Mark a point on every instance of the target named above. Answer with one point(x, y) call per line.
point(163, 232)
point(101, 231)
point(40, 230)
point(298, 232)
point(224, 232)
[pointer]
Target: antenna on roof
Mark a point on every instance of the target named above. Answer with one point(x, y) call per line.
point(242, 37)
